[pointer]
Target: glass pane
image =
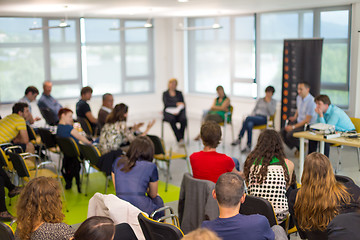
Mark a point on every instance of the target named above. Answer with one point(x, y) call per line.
point(210, 34)
point(308, 25)
point(19, 68)
point(245, 89)
point(97, 30)
point(137, 60)
point(279, 25)
point(66, 91)
point(339, 98)
point(245, 59)
point(245, 28)
point(67, 34)
point(103, 69)
point(136, 35)
point(63, 63)
point(16, 30)
point(136, 86)
point(334, 24)
point(334, 63)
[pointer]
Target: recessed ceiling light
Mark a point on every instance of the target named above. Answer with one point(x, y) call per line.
point(183, 0)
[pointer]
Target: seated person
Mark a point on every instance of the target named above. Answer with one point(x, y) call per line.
point(321, 197)
point(95, 228)
point(209, 164)
point(105, 110)
point(135, 177)
point(231, 225)
point(39, 211)
point(31, 93)
point(264, 108)
point(344, 226)
point(83, 109)
point(173, 98)
point(266, 168)
point(13, 127)
point(201, 234)
point(47, 101)
point(330, 114)
point(13, 191)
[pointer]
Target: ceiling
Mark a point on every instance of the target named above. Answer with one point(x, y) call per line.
point(153, 8)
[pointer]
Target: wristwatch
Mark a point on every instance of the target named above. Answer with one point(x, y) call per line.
point(293, 127)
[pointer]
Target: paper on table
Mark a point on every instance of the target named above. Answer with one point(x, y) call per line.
point(174, 110)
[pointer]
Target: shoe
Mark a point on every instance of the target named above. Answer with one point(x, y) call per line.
point(246, 149)
point(297, 153)
point(79, 188)
point(14, 192)
point(6, 217)
point(181, 143)
point(236, 142)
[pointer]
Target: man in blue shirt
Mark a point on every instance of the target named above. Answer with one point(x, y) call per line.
point(47, 101)
point(305, 114)
point(330, 114)
point(231, 225)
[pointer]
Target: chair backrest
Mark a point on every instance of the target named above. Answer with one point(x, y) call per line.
point(3, 158)
point(68, 146)
point(229, 114)
point(85, 125)
point(258, 205)
point(31, 133)
point(356, 122)
point(91, 153)
point(47, 138)
point(158, 144)
point(48, 115)
point(154, 230)
point(19, 165)
point(6, 232)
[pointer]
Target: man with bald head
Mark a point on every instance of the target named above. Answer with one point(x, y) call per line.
point(106, 108)
point(47, 101)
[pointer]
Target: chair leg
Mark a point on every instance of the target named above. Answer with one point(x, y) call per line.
point(107, 183)
point(188, 165)
point(162, 129)
point(339, 160)
point(232, 131)
point(358, 153)
point(187, 133)
point(87, 180)
point(167, 175)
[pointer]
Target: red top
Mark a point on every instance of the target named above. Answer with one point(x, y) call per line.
point(210, 165)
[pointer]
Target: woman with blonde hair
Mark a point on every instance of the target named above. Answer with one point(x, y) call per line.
point(39, 212)
point(201, 234)
point(174, 109)
point(321, 197)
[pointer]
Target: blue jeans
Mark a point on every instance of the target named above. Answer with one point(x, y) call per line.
point(248, 125)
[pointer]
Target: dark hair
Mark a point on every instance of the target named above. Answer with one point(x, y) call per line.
point(117, 114)
point(63, 111)
point(269, 145)
point(229, 189)
point(270, 89)
point(31, 89)
point(222, 88)
point(324, 98)
point(96, 228)
point(210, 133)
point(306, 84)
point(105, 96)
point(142, 148)
point(85, 90)
point(19, 107)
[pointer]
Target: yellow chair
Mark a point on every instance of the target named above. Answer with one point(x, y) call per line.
point(356, 122)
point(270, 124)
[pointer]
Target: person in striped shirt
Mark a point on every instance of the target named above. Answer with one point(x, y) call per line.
point(13, 127)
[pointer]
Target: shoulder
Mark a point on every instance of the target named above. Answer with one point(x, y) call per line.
point(257, 220)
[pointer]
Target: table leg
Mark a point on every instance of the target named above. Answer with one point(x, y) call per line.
point(322, 147)
point(301, 157)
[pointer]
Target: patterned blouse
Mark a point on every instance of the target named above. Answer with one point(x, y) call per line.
point(53, 231)
point(273, 188)
point(115, 135)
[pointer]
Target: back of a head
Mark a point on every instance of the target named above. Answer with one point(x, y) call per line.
point(85, 90)
point(210, 133)
point(96, 228)
point(317, 169)
point(229, 189)
point(19, 107)
point(117, 114)
point(201, 234)
point(324, 98)
point(31, 89)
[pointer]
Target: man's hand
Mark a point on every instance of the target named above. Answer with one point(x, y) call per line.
point(289, 128)
point(292, 118)
point(37, 119)
point(318, 111)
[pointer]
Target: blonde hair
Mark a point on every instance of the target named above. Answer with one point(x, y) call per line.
point(172, 80)
point(201, 234)
point(320, 195)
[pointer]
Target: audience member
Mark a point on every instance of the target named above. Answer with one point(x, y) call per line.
point(71, 166)
point(39, 212)
point(83, 109)
point(231, 225)
point(13, 191)
point(106, 108)
point(304, 114)
point(264, 108)
point(268, 173)
point(115, 134)
point(135, 177)
point(209, 164)
point(201, 234)
point(31, 93)
point(47, 101)
point(13, 127)
point(344, 227)
point(330, 114)
point(95, 228)
point(174, 100)
point(321, 197)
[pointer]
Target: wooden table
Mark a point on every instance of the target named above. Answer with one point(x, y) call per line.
point(352, 142)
